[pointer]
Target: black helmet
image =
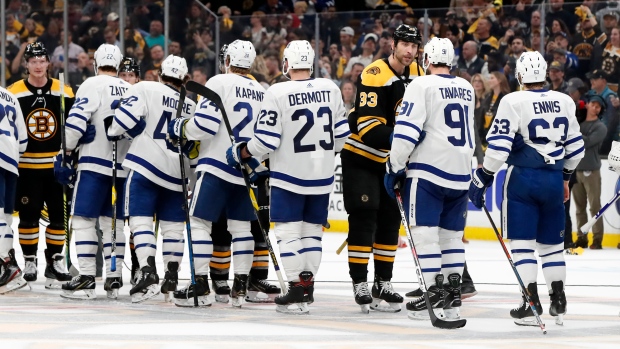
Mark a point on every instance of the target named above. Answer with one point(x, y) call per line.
point(222, 56)
point(128, 64)
point(407, 33)
point(35, 49)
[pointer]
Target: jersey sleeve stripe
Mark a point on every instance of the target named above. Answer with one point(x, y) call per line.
point(494, 147)
point(208, 117)
point(302, 182)
point(439, 173)
point(344, 135)
point(204, 129)
point(75, 128)
point(404, 123)
point(267, 133)
point(576, 139)
point(76, 115)
point(6, 133)
point(8, 159)
point(364, 124)
point(557, 152)
point(341, 122)
point(265, 143)
point(496, 138)
point(220, 165)
point(362, 132)
point(23, 141)
point(576, 152)
point(126, 112)
point(407, 138)
point(154, 170)
point(118, 121)
point(366, 118)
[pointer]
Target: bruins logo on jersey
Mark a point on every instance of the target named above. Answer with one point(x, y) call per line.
point(373, 71)
point(583, 50)
point(41, 124)
point(397, 108)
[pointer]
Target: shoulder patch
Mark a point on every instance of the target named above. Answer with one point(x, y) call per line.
point(18, 87)
point(373, 70)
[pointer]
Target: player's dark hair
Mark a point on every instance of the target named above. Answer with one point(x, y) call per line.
point(534, 85)
point(172, 81)
point(107, 69)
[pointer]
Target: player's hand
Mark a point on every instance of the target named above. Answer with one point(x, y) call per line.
point(176, 129)
point(392, 178)
point(518, 143)
point(191, 149)
point(566, 191)
point(256, 170)
point(89, 135)
point(136, 130)
point(65, 175)
point(233, 155)
point(615, 101)
point(481, 180)
point(107, 122)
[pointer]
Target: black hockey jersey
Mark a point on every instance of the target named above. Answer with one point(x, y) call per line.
point(41, 109)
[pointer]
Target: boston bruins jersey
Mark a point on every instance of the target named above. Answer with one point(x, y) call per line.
point(41, 109)
point(583, 47)
point(379, 95)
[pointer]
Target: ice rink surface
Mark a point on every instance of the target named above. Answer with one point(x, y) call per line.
point(41, 319)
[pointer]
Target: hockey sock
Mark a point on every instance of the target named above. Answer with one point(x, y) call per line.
point(524, 259)
point(291, 248)
point(86, 244)
point(105, 223)
point(28, 237)
point(260, 264)
point(362, 226)
point(426, 241)
point(311, 237)
point(220, 262)
point(6, 234)
point(55, 238)
point(143, 238)
point(452, 251)
point(201, 244)
point(386, 238)
point(553, 265)
point(242, 246)
point(173, 242)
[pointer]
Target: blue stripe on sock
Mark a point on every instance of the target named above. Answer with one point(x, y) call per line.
point(552, 253)
point(146, 245)
point(245, 238)
point(428, 256)
point(526, 261)
point(521, 250)
point(176, 254)
point(431, 270)
point(453, 265)
point(453, 251)
point(237, 253)
point(553, 264)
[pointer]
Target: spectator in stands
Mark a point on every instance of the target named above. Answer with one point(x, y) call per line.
point(469, 63)
point(481, 90)
point(273, 35)
point(556, 76)
point(354, 74)
point(499, 88)
point(109, 35)
point(85, 69)
point(199, 74)
point(346, 37)
point(157, 56)
point(330, 25)
point(482, 36)
point(535, 25)
point(51, 36)
point(568, 59)
point(348, 94)
point(558, 26)
point(557, 11)
point(576, 89)
point(385, 46)
point(516, 46)
point(175, 48)
point(196, 20)
point(598, 82)
point(150, 75)
point(15, 8)
point(452, 34)
point(368, 49)
point(57, 58)
point(607, 59)
point(256, 30)
point(90, 32)
point(259, 71)
point(230, 29)
point(200, 51)
point(272, 61)
point(610, 21)
point(584, 41)
point(273, 7)
point(156, 36)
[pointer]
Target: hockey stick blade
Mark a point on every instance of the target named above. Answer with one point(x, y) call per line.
point(586, 227)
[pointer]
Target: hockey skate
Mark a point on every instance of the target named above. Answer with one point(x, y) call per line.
point(135, 268)
point(558, 302)
point(11, 278)
point(417, 310)
point(382, 290)
point(55, 271)
point(112, 285)
point(146, 288)
point(84, 283)
point(452, 303)
point(185, 297)
point(293, 301)
point(523, 315)
point(257, 286)
point(30, 269)
point(239, 289)
point(222, 290)
point(362, 296)
point(171, 280)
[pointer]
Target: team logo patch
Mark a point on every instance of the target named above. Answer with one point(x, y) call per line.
point(373, 70)
point(25, 200)
point(41, 124)
point(364, 198)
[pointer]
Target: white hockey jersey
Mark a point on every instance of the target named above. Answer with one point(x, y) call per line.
point(93, 103)
point(13, 133)
point(547, 122)
point(242, 97)
point(443, 107)
point(302, 124)
point(150, 153)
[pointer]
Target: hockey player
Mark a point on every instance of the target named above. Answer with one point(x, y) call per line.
point(95, 101)
point(432, 147)
point(301, 126)
point(153, 185)
point(374, 220)
point(220, 190)
point(537, 134)
point(13, 142)
point(39, 98)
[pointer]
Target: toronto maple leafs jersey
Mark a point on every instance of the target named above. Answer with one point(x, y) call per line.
point(546, 121)
point(302, 125)
point(13, 133)
point(95, 100)
point(443, 107)
point(150, 153)
point(242, 97)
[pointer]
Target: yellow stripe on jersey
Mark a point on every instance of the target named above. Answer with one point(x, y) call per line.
point(261, 253)
point(359, 248)
point(35, 166)
point(28, 230)
point(17, 88)
point(384, 258)
point(221, 254)
point(385, 247)
point(40, 155)
point(358, 260)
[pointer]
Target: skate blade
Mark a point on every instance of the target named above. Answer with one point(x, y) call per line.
point(452, 313)
point(113, 294)
point(468, 295)
point(423, 314)
point(167, 297)
point(390, 308)
point(14, 285)
point(203, 301)
point(221, 298)
point(87, 295)
point(365, 308)
point(237, 302)
point(151, 291)
point(294, 309)
point(527, 321)
point(52, 284)
point(559, 320)
point(260, 297)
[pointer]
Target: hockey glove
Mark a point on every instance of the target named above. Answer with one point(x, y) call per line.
point(481, 180)
point(233, 155)
point(89, 135)
point(176, 129)
point(392, 178)
point(256, 170)
point(518, 143)
point(65, 175)
point(136, 130)
point(191, 149)
point(107, 122)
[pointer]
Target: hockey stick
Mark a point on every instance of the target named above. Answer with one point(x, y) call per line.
point(344, 244)
point(63, 139)
point(113, 253)
point(586, 227)
point(185, 206)
point(215, 98)
point(435, 321)
point(514, 269)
